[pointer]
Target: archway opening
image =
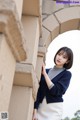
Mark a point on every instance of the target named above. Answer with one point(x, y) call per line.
point(71, 98)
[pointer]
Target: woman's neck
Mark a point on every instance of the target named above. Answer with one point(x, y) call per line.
point(57, 66)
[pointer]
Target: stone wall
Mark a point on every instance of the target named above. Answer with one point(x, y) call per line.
point(27, 28)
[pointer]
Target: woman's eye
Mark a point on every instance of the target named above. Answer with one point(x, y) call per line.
point(64, 57)
point(59, 53)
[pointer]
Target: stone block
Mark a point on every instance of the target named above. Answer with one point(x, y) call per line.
point(35, 87)
point(31, 31)
point(7, 70)
point(39, 67)
point(57, 6)
point(46, 38)
point(44, 17)
point(32, 7)
point(19, 5)
point(47, 7)
point(11, 26)
point(25, 76)
point(50, 7)
point(52, 25)
point(21, 103)
point(67, 18)
point(40, 60)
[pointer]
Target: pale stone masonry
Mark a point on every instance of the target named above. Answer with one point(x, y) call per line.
point(7, 69)
point(27, 27)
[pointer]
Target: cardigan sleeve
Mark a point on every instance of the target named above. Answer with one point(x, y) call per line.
point(39, 93)
point(61, 86)
point(37, 102)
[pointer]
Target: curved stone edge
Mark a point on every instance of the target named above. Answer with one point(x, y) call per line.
point(68, 18)
point(58, 23)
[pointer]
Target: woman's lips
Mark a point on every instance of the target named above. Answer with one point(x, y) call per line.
point(58, 61)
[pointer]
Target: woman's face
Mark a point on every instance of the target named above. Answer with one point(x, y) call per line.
point(61, 58)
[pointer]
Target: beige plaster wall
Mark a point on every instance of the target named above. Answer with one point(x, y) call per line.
point(21, 103)
point(31, 31)
point(19, 5)
point(32, 7)
point(7, 69)
point(11, 26)
point(42, 21)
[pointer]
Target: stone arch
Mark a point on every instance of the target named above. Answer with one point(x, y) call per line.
point(59, 22)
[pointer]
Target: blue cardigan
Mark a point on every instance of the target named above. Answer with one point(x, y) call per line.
point(61, 83)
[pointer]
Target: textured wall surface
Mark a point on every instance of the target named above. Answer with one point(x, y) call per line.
point(28, 27)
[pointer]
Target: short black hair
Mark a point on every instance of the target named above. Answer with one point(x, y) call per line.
point(69, 54)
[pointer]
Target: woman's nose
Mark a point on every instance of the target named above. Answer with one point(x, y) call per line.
point(60, 57)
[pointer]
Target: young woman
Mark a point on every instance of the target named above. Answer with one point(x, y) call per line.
point(53, 85)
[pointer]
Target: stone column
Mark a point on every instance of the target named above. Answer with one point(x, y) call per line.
point(7, 68)
point(21, 104)
point(25, 80)
point(12, 49)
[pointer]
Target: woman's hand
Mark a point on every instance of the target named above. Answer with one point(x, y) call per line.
point(35, 117)
point(43, 69)
point(47, 79)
